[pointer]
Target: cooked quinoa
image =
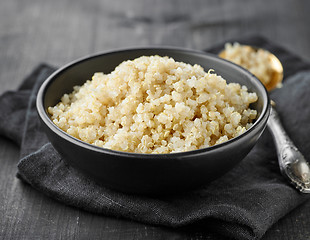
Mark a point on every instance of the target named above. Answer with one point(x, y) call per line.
point(154, 104)
point(257, 62)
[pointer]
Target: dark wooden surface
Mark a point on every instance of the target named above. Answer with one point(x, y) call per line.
point(59, 31)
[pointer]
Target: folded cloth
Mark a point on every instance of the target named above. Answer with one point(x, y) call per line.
point(242, 204)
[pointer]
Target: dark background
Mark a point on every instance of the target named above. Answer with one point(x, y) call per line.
point(59, 31)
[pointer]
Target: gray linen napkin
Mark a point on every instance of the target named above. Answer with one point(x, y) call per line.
point(242, 204)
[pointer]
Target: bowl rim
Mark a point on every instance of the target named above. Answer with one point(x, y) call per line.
point(42, 112)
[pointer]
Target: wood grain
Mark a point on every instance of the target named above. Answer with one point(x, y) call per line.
point(59, 31)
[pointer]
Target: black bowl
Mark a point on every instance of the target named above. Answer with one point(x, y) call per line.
point(149, 173)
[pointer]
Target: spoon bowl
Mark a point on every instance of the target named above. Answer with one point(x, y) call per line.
point(276, 68)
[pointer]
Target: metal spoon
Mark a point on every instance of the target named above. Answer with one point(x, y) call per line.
point(293, 165)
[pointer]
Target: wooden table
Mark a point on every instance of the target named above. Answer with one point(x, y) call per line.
point(59, 31)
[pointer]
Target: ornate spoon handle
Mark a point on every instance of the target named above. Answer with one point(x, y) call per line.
point(292, 163)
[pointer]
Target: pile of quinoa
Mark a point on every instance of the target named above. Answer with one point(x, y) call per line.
point(154, 104)
point(256, 61)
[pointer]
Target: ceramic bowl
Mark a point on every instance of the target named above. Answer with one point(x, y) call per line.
point(149, 173)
